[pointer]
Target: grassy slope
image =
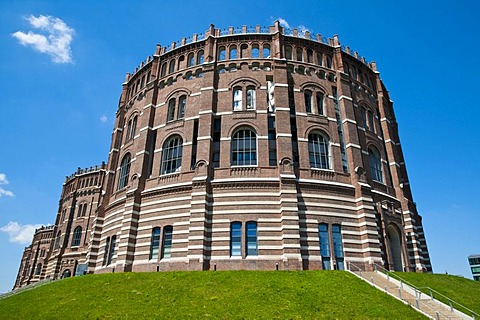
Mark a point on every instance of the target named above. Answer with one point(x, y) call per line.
point(462, 290)
point(225, 295)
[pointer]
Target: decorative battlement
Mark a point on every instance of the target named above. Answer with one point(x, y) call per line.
point(231, 31)
point(81, 171)
point(44, 228)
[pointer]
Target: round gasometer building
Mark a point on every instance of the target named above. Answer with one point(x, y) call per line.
point(255, 148)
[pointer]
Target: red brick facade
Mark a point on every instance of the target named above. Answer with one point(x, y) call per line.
point(262, 127)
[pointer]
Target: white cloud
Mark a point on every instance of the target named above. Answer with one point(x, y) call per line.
point(3, 178)
point(303, 29)
point(4, 181)
point(283, 23)
point(103, 118)
point(18, 233)
point(55, 42)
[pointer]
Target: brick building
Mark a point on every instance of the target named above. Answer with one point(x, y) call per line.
point(245, 148)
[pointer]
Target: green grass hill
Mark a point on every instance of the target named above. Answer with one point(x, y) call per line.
point(204, 295)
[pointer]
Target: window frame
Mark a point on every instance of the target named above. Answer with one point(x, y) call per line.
point(155, 243)
point(77, 237)
point(321, 160)
point(238, 139)
point(375, 163)
point(124, 171)
point(236, 239)
point(171, 160)
point(167, 239)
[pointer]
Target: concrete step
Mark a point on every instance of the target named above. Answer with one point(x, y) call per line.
point(422, 302)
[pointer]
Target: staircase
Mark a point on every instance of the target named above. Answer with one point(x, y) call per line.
point(409, 294)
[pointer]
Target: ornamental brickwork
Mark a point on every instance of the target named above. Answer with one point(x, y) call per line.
point(244, 148)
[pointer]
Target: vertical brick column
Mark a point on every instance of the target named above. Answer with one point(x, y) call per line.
point(290, 228)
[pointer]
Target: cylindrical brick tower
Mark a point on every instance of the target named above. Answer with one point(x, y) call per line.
point(256, 148)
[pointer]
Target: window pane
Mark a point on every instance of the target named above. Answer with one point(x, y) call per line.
point(324, 242)
point(252, 239)
point(318, 149)
point(266, 51)
point(167, 242)
point(236, 239)
point(308, 101)
point(244, 148)
point(155, 243)
point(250, 98)
point(172, 155)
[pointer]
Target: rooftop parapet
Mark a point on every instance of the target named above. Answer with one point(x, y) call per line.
point(44, 228)
point(289, 32)
point(81, 171)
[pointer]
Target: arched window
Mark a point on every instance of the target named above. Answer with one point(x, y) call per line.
point(329, 61)
point(320, 103)
point(167, 242)
point(79, 213)
point(172, 155)
point(299, 54)
point(155, 243)
point(131, 128)
point(308, 101)
point(84, 210)
point(250, 103)
point(266, 51)
point(171, 110)
point(243, 50)
point(318, 150)
point(77, 236)
point(346, 68)
point(200, 57)
point(255, 51)
point(180, 60)
point(236, 239)
point(182, 103)
point(222, 54)
point(190, 60)
point(233, 52)
point(288, 52)
point(237, 98)
point(252, 246)
point(319, 59)
point(309, 56)
point(251, 98)
point(375, 164)
point(244, 148)
point(57, 240)
point(171, 68)
point(38, 269)
point(124, 172)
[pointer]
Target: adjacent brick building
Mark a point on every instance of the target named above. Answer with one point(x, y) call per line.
point(245, 148)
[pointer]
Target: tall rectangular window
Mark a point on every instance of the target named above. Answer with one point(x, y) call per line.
point(154, 243)
point(252, 246)
point(217, 127)
point(167, 242)
point(236, 239)
point(151, 151)
point(337, 246)
point(324, 245)
point(112, 249)
point(272, 142)
point(237, 99)
point(105, 253)
point(194, 143)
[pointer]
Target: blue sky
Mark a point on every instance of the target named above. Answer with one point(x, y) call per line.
point(60, 94)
